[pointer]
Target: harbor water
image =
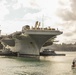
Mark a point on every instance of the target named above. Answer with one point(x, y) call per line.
point(51, 65)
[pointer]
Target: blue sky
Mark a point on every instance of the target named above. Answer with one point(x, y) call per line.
point(59, 14)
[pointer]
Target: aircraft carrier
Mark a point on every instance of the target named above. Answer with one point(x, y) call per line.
point(29, 40)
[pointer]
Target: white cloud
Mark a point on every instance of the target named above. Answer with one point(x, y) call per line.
point(56, 13)
point(3, 9)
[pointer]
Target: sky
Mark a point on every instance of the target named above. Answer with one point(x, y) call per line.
point(61, 14)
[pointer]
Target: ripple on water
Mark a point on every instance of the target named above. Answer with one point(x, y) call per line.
point(22, 66)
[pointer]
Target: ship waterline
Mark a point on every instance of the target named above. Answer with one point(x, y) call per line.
point(30, 41)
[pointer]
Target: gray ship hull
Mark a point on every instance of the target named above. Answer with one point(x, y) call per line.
point(30, 41)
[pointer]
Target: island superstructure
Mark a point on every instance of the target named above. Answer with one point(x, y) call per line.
point(29, 41)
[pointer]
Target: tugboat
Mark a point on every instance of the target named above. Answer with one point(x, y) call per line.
point(47, 52)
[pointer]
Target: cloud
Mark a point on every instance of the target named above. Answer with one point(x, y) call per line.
point(17, 9)
point(68, 13)
point(69, 32)
point(3, 9)
point(19, 13)
point(59, 14)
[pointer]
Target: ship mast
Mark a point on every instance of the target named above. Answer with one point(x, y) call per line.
point(43, 22)
point(0, 30)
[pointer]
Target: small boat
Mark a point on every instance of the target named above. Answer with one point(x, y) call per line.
point(73, 67)
point(74, 63)
point(47, 52)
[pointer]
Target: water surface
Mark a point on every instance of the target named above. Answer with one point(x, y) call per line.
point(52, 65)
